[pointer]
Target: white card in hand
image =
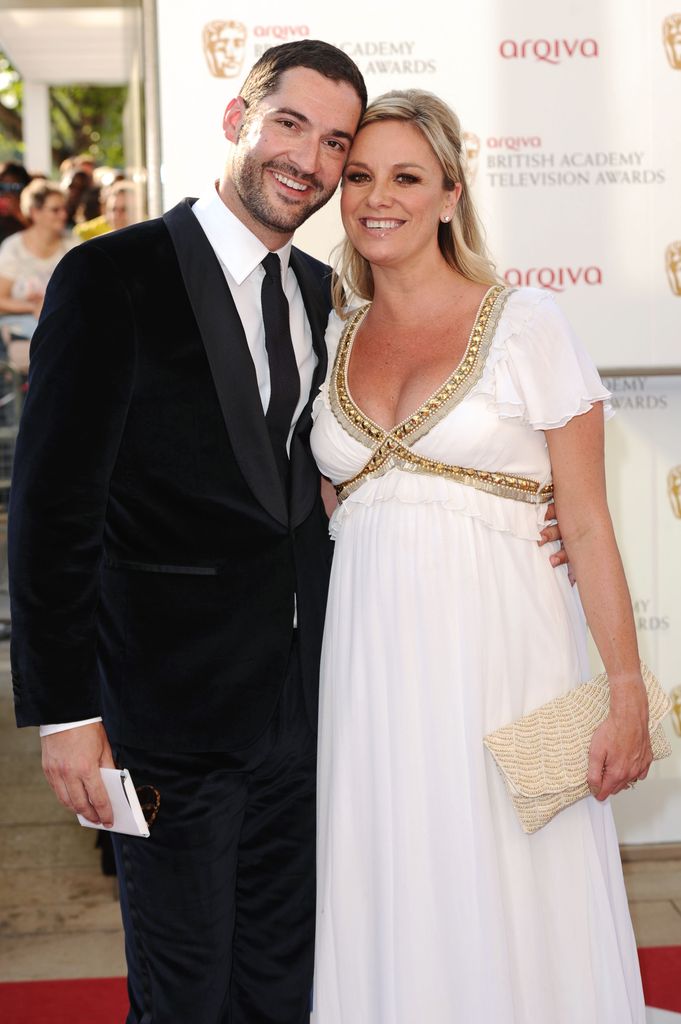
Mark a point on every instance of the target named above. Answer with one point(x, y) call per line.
point(128, 815)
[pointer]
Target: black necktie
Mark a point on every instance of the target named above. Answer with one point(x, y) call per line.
point(284, 376)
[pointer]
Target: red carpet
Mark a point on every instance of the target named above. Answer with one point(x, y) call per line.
point(661, 973)
point(83, 1001)
point(104, 1000)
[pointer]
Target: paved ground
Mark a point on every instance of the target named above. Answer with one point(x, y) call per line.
point(59, 915)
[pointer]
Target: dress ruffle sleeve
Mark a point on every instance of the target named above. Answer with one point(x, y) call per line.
point(537, 369)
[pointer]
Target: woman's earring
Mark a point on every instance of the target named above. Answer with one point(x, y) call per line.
point(446, 219)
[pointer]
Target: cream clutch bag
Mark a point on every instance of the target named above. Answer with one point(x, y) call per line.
point(544, 756)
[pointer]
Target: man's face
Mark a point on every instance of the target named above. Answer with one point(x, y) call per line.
point(117, 210)
point(10, 190)
point(289, 151)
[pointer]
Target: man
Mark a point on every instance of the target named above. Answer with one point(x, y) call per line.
point(13, 179)
point(169, 552)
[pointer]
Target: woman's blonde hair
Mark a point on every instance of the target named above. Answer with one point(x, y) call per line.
point(35, 195)
point(461, 241)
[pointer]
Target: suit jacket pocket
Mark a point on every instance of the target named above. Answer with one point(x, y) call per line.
point(180, 570)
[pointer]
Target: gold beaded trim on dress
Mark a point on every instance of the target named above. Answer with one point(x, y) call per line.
point(390, 453)
point(449, 394)
point(389, 449)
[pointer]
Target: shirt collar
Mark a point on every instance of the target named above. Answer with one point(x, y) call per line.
point(236, 247)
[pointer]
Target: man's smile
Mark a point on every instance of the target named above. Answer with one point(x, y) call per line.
point(297, 185)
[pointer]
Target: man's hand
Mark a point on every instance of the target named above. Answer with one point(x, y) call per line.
point(552, 532)
point(71, 763)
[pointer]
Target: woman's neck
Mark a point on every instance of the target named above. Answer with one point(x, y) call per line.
point(41, 241)
point(404, 296)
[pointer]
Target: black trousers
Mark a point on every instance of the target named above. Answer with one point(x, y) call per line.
point(218, 904)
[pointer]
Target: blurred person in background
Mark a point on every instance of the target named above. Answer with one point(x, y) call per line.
point(89, 207)
point(119, 210)
point(75, 184)
point(13, 179)
point(28, 257)
point(82, 162)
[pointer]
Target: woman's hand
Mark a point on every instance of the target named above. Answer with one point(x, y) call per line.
point(620, 752)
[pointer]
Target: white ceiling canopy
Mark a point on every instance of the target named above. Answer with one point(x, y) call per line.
point(70, 45)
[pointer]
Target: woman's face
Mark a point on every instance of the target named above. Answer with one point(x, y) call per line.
point(52, 214)
point(393, 195)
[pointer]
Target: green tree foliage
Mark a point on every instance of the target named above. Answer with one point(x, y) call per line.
point(11, 146)
point(83, 119)
point(88, 119)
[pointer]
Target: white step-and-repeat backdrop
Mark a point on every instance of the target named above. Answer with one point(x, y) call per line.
point(571, 116)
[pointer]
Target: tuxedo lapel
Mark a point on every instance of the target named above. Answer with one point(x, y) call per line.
point(229, 358)
point(305, 479)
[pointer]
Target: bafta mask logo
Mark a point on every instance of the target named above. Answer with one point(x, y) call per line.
point(671, 33)
point(673, 262)
point(471, 146)
point(674, 490)
point(675, 695)
point(224, 44)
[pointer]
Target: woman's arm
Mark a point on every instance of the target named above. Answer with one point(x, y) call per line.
point(9, 305)
point(620, 750)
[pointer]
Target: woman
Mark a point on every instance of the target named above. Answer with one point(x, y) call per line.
point(28, 258)
point(446, 620)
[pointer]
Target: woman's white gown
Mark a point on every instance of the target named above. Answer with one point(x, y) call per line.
point(446, 620)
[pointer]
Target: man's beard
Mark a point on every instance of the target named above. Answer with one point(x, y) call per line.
point(247, 177)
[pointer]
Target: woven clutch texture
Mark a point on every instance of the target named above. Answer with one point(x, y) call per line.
point(544, 756)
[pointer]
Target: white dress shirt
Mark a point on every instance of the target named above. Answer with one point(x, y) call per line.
point(240, 254)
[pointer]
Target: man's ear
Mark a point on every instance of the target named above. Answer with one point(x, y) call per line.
point(234, 118)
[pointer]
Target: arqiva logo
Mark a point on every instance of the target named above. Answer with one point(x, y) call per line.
point(282, 32)
point(548, 51)
point(556, 279)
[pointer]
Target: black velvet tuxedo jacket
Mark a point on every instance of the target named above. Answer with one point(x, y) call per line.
point(154, 556)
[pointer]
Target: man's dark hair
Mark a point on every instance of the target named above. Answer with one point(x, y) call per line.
point(327, 60)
